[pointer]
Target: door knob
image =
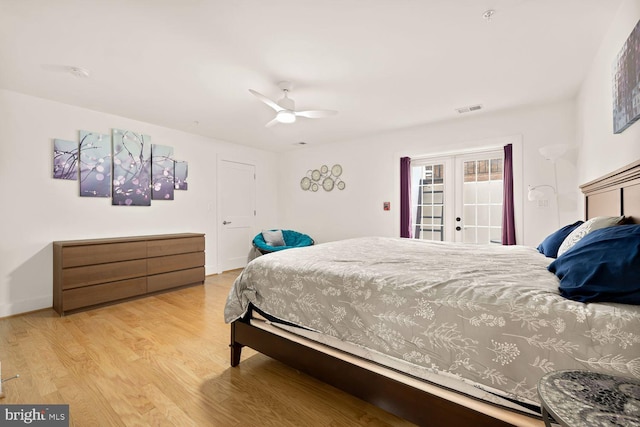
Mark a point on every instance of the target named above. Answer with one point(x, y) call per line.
point(226, 222)
point(458, 228)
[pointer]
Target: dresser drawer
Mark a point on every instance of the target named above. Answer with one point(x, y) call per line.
point(74, 256)
point(101, 273)
point(164, 264)
point(175, 246)
point(91, 272)
point(163, 281)
point(107, 292)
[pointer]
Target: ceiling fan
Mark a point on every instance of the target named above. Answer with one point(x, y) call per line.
point(286, 107)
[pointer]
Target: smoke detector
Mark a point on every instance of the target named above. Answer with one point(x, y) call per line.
point(488, 14)
point(81, 73)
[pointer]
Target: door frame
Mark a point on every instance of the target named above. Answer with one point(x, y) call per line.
point(219, 159)
point(477, 146)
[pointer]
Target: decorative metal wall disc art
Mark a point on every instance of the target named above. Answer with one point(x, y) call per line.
point(325, 177)
point(305, 183)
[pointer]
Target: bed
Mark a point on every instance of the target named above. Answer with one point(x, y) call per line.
point(434, 332)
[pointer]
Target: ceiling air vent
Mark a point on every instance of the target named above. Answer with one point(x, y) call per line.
point(469, 108)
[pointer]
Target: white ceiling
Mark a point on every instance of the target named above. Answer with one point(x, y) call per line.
point(383, 64)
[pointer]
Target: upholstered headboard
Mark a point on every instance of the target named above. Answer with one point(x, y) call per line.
point(617, 193)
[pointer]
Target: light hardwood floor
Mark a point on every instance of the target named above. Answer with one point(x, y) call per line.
point(162, 361)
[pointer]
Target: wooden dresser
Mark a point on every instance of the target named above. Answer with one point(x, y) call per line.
point(88, 273)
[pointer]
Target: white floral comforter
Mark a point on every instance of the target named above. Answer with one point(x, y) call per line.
point(491, 315)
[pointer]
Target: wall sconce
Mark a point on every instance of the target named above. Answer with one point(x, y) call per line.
point(535, 194)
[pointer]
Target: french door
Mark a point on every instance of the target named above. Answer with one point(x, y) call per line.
point(458, 198)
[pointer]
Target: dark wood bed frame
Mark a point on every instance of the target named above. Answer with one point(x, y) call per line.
point(617, 193)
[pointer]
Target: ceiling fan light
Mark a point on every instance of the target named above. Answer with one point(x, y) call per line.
point(286, 116)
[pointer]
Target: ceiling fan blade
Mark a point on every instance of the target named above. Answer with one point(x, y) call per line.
point(272, 122)
point(266, 100)
point(316, 114)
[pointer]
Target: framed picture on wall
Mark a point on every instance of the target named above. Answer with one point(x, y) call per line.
point(626, 83)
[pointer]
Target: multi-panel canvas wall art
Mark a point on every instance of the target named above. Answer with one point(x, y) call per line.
point(162, 172)
point(65, 159)
point(131, 168)
point(626, 83)
point(181, 171)
point(124, 166)
point(95, 164)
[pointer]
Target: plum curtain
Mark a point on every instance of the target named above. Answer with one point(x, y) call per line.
point(405, 197)
point(508, 217)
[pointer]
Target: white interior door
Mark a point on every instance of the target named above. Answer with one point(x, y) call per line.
point(236, 213)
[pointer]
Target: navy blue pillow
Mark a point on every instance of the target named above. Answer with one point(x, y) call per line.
point(550, 245)
point(604, 266)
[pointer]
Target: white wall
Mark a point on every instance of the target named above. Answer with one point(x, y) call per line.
point(37, 209)
point(371, 169)
point(602, 151)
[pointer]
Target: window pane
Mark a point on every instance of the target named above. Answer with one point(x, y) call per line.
point(469, 215)
point(483, 170)
point(437, 173)
point(496, 235)
point(496, 169)
point(437, 214)
point(438, 194)
point(484, 195)
point(469, 235)
point(496, 215)
point(469, 193)
point(483, 235)
point(483, 215)
point(470, 171)
point(427, 213)
point(428, 175)
point(496, 191)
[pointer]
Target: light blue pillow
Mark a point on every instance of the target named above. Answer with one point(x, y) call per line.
point(604, 266)
point(550, 245)
point(273, 237)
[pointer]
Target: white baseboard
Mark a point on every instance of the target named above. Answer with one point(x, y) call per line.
point(24, 306)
